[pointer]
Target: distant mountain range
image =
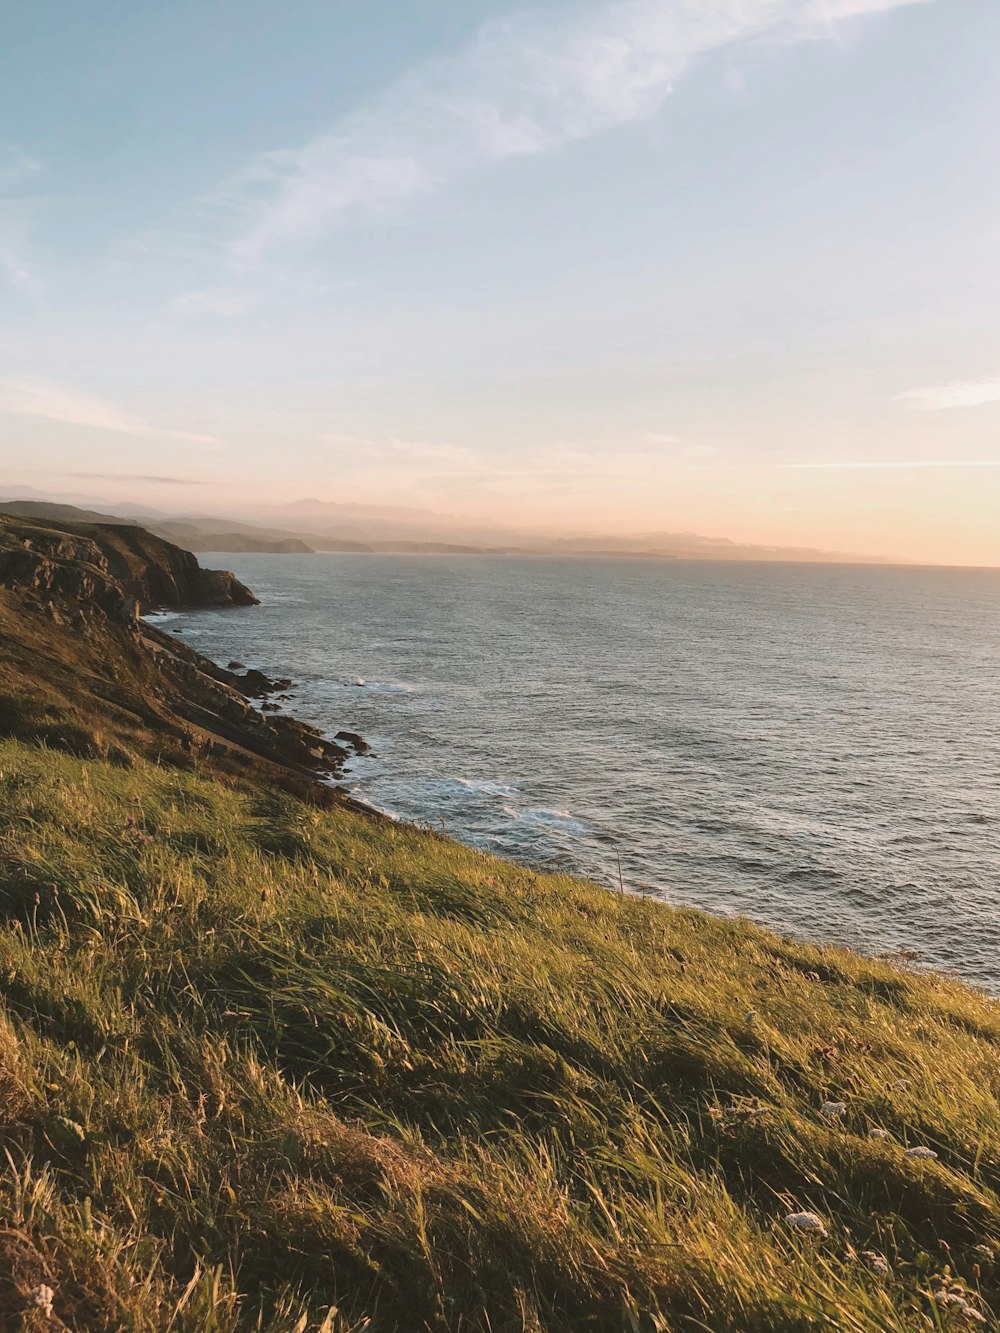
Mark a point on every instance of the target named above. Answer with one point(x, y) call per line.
point(308, 526)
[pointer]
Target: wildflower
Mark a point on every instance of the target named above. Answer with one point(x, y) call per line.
point(876, 1133)
point(922, 1153)
point(833, 1110)
point(985, 1253)
point(899, 1085)
point(954, 1301)
point(43, 1296)
point(807, 1222)
point(878, 1263)
point(751, 1015)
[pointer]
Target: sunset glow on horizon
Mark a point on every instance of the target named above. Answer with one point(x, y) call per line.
point(568, 267)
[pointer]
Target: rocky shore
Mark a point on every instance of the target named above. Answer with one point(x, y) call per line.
point(114, 669)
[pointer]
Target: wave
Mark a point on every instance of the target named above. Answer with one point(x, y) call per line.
point(379, 686)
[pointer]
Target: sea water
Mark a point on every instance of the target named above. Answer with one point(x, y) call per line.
point(816, 747)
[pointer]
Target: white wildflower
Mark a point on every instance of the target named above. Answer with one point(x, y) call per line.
point(876, 1133)
point(957, 1304)
point(833, 1110)
point(878, 1263)
point(899, 1085)
point(43, 1296)
point(807, 1222)
point(922, 1154)
point(751, 1015)
point(985, 1252)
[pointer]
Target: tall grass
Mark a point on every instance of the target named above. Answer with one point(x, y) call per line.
point(265, 1067)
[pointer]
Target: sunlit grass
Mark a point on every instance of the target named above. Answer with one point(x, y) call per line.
point(267, 1067)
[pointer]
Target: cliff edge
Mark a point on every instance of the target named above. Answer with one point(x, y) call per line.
point(104, 560)
point(82, 672)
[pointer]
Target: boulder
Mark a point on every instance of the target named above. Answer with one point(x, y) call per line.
point(357, 743)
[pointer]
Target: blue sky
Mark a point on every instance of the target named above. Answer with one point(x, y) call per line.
point(630, 265)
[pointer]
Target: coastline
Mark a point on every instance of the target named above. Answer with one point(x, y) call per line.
point(269, 1062)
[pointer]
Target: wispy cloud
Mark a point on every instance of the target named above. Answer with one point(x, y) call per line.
point(896, 464)
point(137, 476)
point(528, 84)
point(18, 171)
point(17, 166)
point(221, 301)
point(14, 270)
point(396, 453)
point(53, 402)
point(436, 469)
point(960, 393)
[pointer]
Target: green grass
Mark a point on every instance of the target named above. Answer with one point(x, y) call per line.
point(273, 1068)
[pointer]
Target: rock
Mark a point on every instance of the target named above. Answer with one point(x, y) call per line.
point(116, 565)
point(357, 743)
point(81, 589)
point(254, 684)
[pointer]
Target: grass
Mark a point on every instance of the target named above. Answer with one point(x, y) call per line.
point(266, 1067)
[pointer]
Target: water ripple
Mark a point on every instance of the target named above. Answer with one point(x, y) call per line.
point(817, 747)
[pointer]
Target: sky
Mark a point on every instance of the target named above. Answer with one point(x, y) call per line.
point(581, 266)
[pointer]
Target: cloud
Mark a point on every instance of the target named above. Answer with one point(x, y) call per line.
point(891, 464)
point(14, 271)
point(528, 84)
point(17, 166)
point(396, 453)
point(212, 302)
point(571, 465)
point(138, 476)
point(17, 169)
point(961, 393)
point(51, 402)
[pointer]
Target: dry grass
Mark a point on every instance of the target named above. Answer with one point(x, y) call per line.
point(267, 1067)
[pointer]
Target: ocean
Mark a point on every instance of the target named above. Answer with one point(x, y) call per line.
point(815, 747)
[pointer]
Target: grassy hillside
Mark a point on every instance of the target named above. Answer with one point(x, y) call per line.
point(266, 1066)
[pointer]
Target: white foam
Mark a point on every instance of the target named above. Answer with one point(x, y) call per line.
point(486, 787)
point(380, 686)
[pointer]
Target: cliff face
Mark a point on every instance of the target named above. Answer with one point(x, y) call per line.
point(120, 568)
point(80, 670)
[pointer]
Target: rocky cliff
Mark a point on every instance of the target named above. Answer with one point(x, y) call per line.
point(120, 567)
point(78, 665)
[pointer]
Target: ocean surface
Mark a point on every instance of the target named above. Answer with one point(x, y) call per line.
point(814, 747)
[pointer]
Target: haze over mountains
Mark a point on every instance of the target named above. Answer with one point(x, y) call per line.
point(309, 525)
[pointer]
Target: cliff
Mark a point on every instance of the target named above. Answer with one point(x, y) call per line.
point(81, 671)
point(89, 560)
point(189, 534)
